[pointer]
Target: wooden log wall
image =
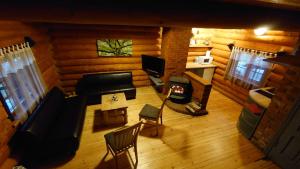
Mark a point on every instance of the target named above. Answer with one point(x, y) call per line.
point(200, 43)
point(76, 51)
point(175, 47)
point(13, 33)
point(7, 130)
point(196, 51)
point(272, 41)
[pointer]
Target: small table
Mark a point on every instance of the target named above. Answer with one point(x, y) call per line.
point(108, 105)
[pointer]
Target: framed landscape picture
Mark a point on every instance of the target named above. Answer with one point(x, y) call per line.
point(114, 47)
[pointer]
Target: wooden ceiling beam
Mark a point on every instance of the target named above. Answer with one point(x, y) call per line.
point(213, 14)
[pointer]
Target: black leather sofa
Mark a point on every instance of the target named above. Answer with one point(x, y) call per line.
point(55, 126)
point(95, 85)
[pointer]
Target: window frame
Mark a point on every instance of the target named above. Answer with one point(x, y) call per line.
point(3, 99)
point(248, 69)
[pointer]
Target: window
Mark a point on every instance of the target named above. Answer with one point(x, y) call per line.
point(7, 99)
point(247, 68)
point(21, 84)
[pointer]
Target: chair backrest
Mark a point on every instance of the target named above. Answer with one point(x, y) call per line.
point(164, 102)
point(126, 137)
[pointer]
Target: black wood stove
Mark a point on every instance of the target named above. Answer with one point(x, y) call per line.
point(181, 89)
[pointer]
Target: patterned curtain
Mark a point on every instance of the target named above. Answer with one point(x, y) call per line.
point(246, 67)
point(21, 82)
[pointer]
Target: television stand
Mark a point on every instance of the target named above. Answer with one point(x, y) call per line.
point(157, 83)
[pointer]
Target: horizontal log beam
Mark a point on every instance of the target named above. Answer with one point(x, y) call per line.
point(221, 47)
point(217, 86)
point(273, 84)
point(220, 13)
point(72, 83)
point(278, 40)
point(9, 163)
point(79, 54)
point(220, 72)
point(230, 85)
point(219, 65)
point(198, 53)
point(233, 89)
point(277, 78)
point(106, 35)
point(220, 60)
point(93, 47)
point(6, 131)
point(220, 53)
point(101, 68)
point(251, 31)
point(198, 49)
point(72, 76)
point(101, 28)
point(4, 153)
point(92, 41)
point(278, 69)
point(253, 45)
point(139, 83)
point(98, 61)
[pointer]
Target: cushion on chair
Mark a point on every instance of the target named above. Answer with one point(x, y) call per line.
point(149, 111)
point(123, 138)
point(109, 137)
point(111, 140)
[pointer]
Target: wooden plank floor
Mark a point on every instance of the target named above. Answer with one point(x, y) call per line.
point(210, 141)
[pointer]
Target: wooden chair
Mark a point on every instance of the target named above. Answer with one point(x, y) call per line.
point(121, 140)
point(150, 112)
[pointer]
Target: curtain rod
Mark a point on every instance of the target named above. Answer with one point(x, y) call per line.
point(27, 41)
point(231, 45)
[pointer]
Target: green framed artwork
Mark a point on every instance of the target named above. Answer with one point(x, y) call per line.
point(114, 47)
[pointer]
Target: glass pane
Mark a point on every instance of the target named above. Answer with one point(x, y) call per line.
point(241, 68)
point(256, 74)
point(249, 67)
point(10, 105)
point(3, 93)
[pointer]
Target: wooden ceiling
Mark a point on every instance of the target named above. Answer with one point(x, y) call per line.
point(285, 4)
point(279, 14)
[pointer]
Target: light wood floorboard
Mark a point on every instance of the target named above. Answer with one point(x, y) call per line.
point(184, 141)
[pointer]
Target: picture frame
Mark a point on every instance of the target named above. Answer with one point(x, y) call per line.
point(114, 47)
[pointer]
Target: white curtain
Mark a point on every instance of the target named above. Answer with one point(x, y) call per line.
point(21, 80)
point(247, 68)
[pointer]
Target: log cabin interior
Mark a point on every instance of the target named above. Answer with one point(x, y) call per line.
point(224, 75)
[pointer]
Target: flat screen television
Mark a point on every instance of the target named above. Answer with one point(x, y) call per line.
point(154, 66)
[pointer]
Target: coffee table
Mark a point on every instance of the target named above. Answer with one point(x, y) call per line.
point(109, 105)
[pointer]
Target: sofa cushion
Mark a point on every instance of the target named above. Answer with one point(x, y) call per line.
point(92, 90)
point(107, 78)
point(70, 119)
point(117, 88)
point(37, 126)
point(65, 133)
point(94, 85)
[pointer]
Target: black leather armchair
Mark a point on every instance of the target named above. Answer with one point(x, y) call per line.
point(94, 85)
point(55, 127)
